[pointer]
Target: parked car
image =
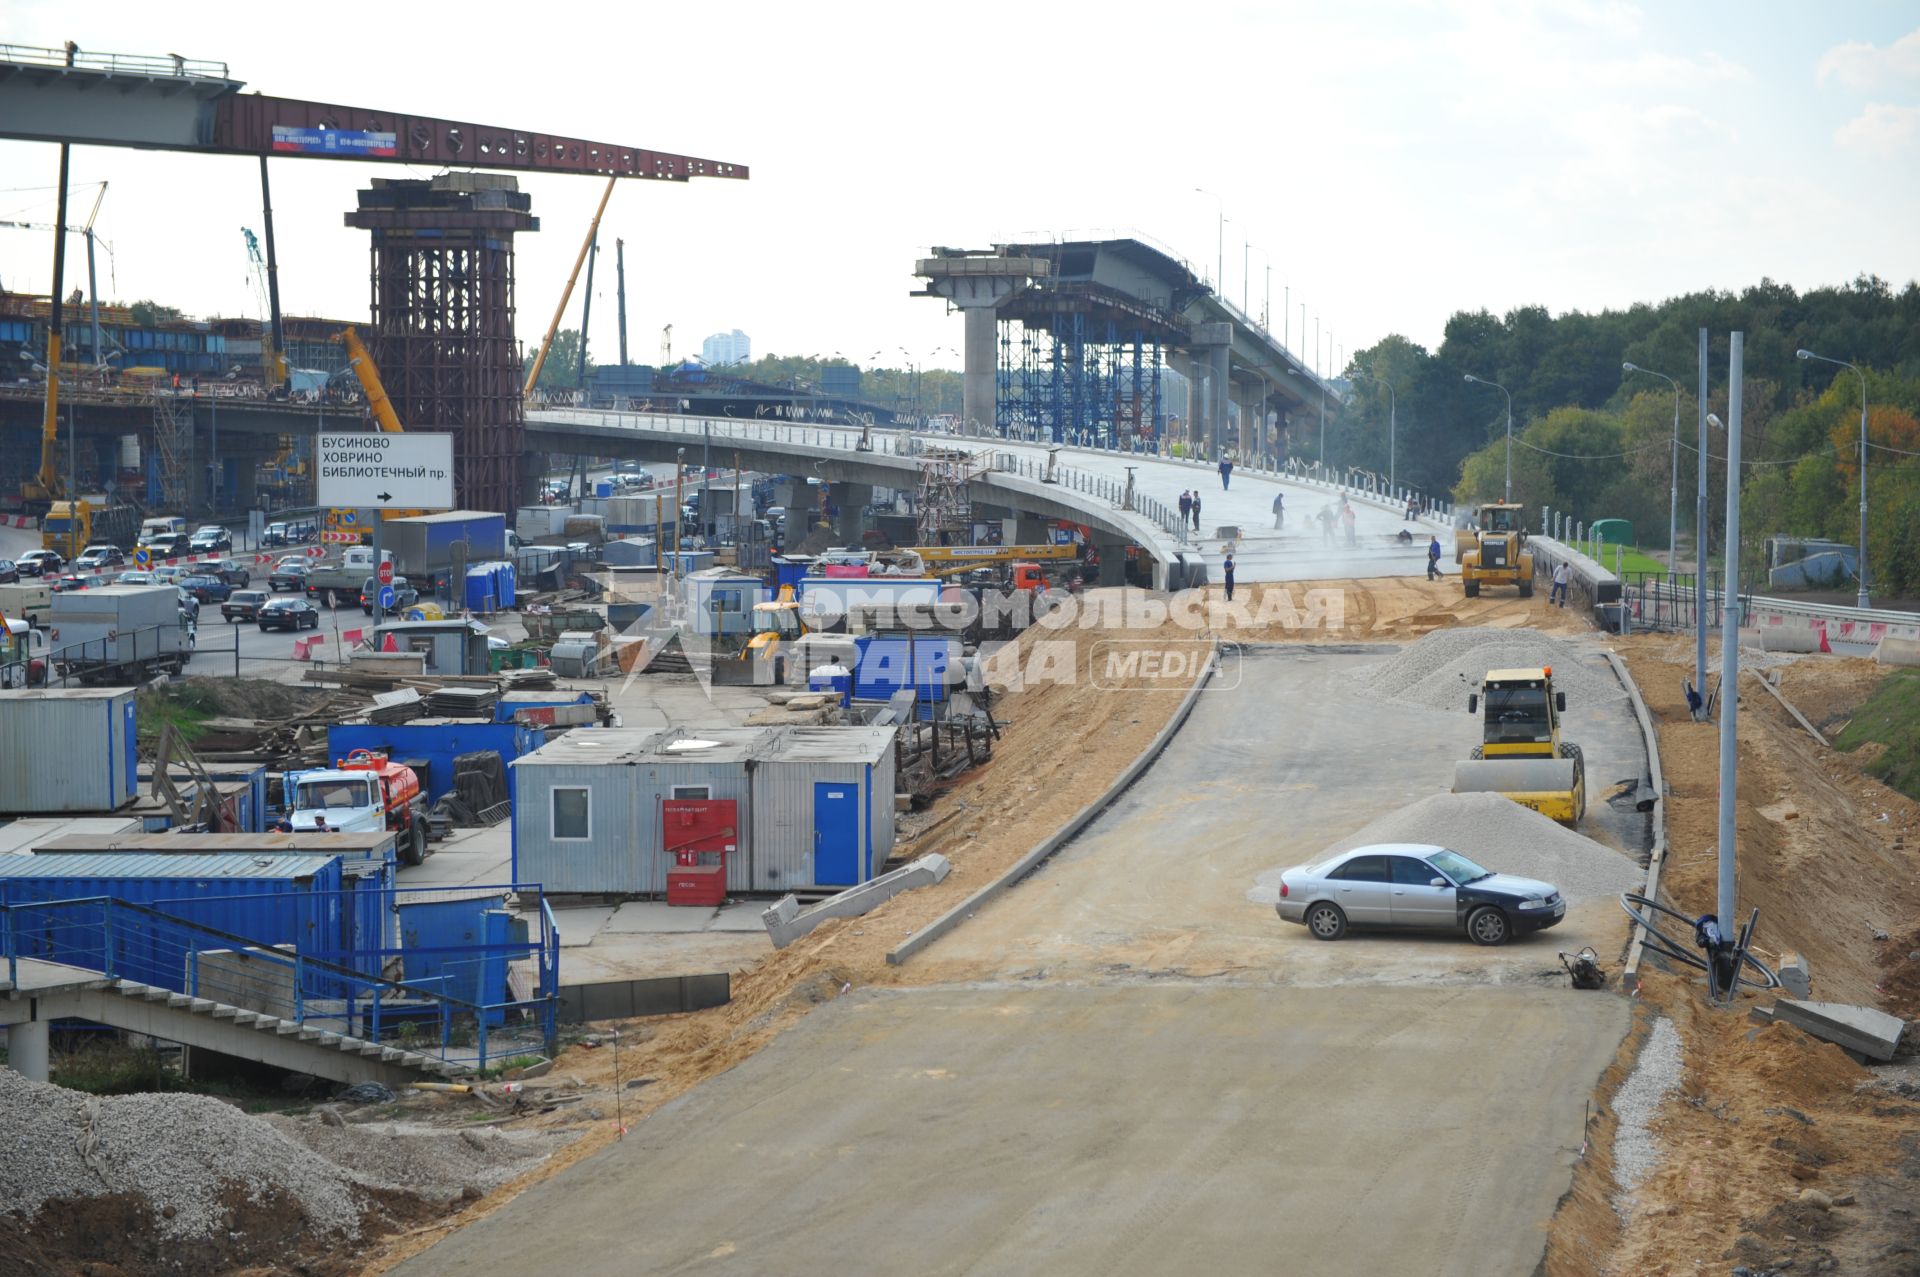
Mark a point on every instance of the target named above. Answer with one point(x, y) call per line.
point(232, 571)
point(289, 573)
point(168, 545)
point(9, 572)
point(288, 614)
point(404, 595)
point(189, 606)
point(208, 589)
point(244, 605)
point(40, 563)
point(211, 539)
point(276, 534)
point(1416, 886)
point(95, 557)
point(134, 578)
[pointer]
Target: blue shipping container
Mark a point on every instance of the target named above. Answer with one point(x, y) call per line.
point(883, 667)
point(435, 745)
point(289, 899)
point(453, 947)
point(513, 702)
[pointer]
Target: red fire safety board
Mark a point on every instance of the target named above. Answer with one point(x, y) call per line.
point(697, 834)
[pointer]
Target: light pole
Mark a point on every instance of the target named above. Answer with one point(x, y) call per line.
point(1219, 236)
point(1246, 255)
point(1861, 600)
point(1509, 394)
point(1673, 485)
point(1393, 426)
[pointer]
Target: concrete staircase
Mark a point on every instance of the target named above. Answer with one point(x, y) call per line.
point(218, 1026)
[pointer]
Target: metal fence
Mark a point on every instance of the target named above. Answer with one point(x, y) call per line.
point(354, 992)
point(1673, 601)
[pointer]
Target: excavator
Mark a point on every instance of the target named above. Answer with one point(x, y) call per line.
point(1494, 550)
point(1522, 754)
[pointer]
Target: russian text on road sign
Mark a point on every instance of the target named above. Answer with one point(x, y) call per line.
point(370, 470)
point(385, 572)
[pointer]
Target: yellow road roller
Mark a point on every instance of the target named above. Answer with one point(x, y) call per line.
point(1521, 754)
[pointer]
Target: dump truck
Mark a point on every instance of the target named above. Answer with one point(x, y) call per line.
point(72, 526)
point(1521, 754)
point(1494, 550)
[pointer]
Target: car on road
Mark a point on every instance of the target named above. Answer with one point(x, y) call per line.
point(77, 581)
point(208, 589)
point(9, 572)
point(40, 563)
point(189, 606)
point(1415, 886)
point(134, 578)
point(404, 595)
point(95, 557)
point(290, 573)
point(288, 614)
point(244, 605)
point(211, 539)
point(169, 573)
point(168, 545)
point(232, 571)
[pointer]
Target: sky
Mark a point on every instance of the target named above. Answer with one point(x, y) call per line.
point(1391, 163)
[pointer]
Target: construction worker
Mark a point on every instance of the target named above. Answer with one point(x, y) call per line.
point(1186, 506)
point(1226, 573)
point(1433, 559)
point(1558, 595)
point(1347, 514)
point(1196, 509)
point(1226, 472)
point(1279, 509)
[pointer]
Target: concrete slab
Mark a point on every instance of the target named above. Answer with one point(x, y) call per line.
point(1871, 1033)
point(468, 856)
point(580, 924)
point(656, 916)
point(657, 955)
point(739, 917)
point(1068, 1130)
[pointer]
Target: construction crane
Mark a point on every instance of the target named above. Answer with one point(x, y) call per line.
point(553, 329)
point(273, 368)
point(361, 361)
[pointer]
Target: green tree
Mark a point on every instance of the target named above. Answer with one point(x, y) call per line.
point(562, 369)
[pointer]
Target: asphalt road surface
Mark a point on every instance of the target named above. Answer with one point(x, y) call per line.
point(1180, 1128)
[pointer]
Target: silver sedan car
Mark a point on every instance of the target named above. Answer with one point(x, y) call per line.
point(1415, 885)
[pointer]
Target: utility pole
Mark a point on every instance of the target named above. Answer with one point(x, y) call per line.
point(1700, 541)
point(620, 268)
point(1730, 643)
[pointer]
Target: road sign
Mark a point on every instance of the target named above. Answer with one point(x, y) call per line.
point(385, 572)
point(338, 538)
point(386, 594)
point(142, 557)
point(377, 471)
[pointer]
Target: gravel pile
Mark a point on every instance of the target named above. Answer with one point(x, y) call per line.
point(1438, 671)
point(1635, 1149)
point(177, 1151)
point(1499, 834)
point(412, 1157)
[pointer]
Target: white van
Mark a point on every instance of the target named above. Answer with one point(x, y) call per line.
point(151, 528)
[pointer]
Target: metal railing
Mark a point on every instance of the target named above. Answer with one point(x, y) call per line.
point(1672, 601)
point(316, 987)
point(143, 64)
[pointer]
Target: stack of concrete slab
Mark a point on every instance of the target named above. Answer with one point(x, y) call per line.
point(1862, 1032)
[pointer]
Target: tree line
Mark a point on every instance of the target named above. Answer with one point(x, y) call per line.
point(1596, 441)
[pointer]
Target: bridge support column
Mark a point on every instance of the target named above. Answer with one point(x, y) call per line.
point(1030, 530)
point(1215, 342)
point(27, 1049)
point(1113, 562)
point(851, 501)
point(978, 284)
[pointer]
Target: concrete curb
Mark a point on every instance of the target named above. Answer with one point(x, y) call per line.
point(1636, 951)
point(1059, 838)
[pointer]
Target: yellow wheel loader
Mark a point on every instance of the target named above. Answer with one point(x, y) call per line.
point(1522, 755)
point(1494, 551)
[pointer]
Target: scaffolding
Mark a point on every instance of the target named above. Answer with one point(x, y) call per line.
point(1082, 379)
point(944, 502)
point(172, 477)
point(443, 309)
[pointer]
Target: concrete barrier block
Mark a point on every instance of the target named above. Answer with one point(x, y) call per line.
point(1796, 977)
point(1789, 638)
point(1860, 1030)
point(785, 925)
point(1897, 651)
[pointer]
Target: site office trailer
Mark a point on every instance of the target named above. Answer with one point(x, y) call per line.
point(67, 750)
point(813, 807)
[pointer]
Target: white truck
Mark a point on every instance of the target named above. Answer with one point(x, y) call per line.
point(337, 582)
point(118, 633)
point(23, 655)
point(29, 601)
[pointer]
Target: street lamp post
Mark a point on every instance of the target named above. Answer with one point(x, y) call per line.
point(1393, 427)
point(1861, 599)
point(1219, 236)
point(1509, 394)
point(1673, 487)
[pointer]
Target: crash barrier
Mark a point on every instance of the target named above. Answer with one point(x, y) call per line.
point(1590, 587)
